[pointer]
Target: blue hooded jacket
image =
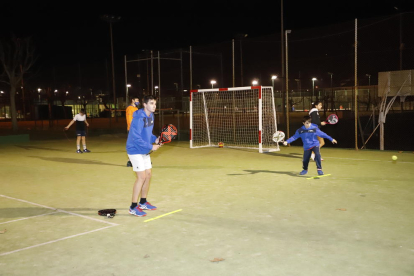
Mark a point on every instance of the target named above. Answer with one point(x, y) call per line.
point(140, 137)
point(308, 136)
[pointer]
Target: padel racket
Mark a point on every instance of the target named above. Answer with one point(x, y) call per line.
point(278, 136)
point(332, 119)
point(109, 213)
point(168, 133)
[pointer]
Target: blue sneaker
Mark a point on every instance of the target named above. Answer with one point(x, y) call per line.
point(137, 212)
point(320, 172)
point(303, 172)
point(147, 206)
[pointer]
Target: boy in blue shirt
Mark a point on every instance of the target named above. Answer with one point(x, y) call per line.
point(139, 144)
point(309, 134)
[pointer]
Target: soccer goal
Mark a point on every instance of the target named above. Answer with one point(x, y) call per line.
point(239, 117)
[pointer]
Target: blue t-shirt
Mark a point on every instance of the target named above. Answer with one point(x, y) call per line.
point(140, 137)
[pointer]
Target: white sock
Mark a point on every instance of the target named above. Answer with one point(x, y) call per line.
point(78, 146)
point(84, 147)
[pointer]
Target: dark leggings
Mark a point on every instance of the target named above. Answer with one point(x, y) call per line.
point(306, 156)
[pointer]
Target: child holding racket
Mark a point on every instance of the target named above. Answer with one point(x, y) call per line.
point(139, 144)
point(314, 114)
point(80, 120)
point(309, 133)
point(129, 116)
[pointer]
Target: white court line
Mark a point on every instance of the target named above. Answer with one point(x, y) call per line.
point(56, 210)
point(49, 242)
point(28, 217)
point(59, 210)
point(367, 160)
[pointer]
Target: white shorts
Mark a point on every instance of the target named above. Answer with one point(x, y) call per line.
point(140, 162)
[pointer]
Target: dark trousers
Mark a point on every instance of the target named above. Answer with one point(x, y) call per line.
point(306, 156)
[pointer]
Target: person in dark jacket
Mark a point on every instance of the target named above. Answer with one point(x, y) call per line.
point(309, 133)
point(314, 114)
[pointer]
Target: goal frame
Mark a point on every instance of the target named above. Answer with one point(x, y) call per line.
point(260, 145)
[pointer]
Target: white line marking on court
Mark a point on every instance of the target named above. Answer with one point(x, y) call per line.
point(49, 242)
point(59, 210)
point(368, 160)
point(28, 217)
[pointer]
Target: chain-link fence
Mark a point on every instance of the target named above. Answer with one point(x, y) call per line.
point(320, 64)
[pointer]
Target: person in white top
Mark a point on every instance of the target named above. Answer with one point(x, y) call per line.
point(80, 120)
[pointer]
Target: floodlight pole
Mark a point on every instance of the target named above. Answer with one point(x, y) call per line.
point(287, 82)
point(112, 19)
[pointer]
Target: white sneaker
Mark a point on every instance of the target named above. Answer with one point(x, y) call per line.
point(313, 156)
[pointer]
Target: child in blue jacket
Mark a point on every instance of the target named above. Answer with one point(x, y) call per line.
point(309, 133)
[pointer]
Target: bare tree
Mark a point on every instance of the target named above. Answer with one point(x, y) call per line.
point(16, 58)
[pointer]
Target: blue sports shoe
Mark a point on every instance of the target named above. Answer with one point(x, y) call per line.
point(147, 206)
point(137, 212)
point(303, 172)
point(320, 172)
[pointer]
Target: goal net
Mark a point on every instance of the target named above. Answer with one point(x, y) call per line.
point(239, 117)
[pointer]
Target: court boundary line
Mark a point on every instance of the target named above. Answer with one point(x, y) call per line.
point(49, 242)
point(59, 210)
point(29, 217)
point(56, 211)
point(406, 162)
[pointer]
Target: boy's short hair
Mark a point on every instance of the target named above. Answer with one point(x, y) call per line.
point(148, 98)
point(133, 98)
point(306, 118)
point(82, 111)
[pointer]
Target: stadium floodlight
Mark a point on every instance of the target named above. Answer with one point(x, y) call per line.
point(273, 81)
point(213, 82)
point(239, 117)
point(313, 87)
point(126, 95)
point(255, 82)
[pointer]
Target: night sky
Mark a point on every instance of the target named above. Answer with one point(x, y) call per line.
point(67, 32)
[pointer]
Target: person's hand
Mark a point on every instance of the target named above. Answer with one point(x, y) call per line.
point(157, 141)
point(285, 143)
point(334, 141)
point(66, 128)
point(323, 123)
point(155, 147)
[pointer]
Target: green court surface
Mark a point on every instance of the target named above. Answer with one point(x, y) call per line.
point(220, 212)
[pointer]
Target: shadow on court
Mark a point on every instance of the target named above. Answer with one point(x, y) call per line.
point(40, 148)
point(267, 171)
point(287, 155)
point(76, 161)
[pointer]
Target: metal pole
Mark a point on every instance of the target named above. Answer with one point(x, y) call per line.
point(232, 50)
point(191, 69)
point(287, 82)
point(152, 73)
point(113, 69)
point(356, 84)
point(182, 80)
point(241, 63)
point(401, 43)
point(283, 56)
point(126, 81)
point(159, 85)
